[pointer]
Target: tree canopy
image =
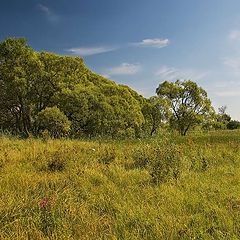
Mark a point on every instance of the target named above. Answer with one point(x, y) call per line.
point(189, 103)
point(43, 90)
point(33, 81)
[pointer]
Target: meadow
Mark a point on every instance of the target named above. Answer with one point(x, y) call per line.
point(167, 187)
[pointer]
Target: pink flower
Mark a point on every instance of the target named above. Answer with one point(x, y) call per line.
point(44, 203)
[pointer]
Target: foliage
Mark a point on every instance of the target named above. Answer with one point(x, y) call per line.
point(32, 81)
point(156, 113)
point(163, 163)
point(233, 124)
point(54, 121)
point(222, 118)
point(189, 103)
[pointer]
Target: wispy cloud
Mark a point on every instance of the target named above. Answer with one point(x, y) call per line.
point(154, 42)
point(171, 73)
point(50, 15)
point(234, 35)
point(88, 51)
point(123, 69)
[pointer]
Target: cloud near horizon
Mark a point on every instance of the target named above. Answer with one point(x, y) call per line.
point(123, 69)
point(154, 42)
point(88, 51)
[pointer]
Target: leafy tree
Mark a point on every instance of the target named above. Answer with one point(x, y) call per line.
point(18, 66)
point(31, 82)
point(156, 112)
point(54, 121)
point(233, 124)
point(94, 112)
point(189, 103)
point(222, 118)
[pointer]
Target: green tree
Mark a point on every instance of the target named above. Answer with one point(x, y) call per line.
point(17, 69)
point(104, 110)
point(33, 81)
point(222, 118)
point(189, 103)
point(233, 124)
point(156, 112)
point(54, 121)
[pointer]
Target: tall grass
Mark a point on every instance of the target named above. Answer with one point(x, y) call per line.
point(165, 188)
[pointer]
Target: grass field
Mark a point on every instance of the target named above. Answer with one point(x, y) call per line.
point(163, 188)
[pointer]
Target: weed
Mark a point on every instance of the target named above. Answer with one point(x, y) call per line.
point(107, 155)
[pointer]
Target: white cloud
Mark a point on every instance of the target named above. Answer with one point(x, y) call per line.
point(234, 35)
point(51, 16)
point(155, 42)
point(88, 51)
point(171, 73)
point(123, 69)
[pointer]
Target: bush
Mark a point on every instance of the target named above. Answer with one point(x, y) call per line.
point(143, 155)
point(107, 155)
point(57, 162)
point(54, 121)
point(162, 161)
point(233, 125)
point(167, 164)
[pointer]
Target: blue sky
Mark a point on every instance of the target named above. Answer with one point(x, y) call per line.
point(139, 42)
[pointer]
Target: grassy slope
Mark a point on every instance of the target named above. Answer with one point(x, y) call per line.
point(101, 194)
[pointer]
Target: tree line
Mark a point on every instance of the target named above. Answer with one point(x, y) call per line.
point(44, 92)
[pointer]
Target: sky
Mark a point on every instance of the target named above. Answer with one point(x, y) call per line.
point(140, 43)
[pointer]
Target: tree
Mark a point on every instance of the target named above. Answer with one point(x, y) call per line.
point(155, 111)
point(233, 124)
point(31, 82)
point(18, 64)
point(101, 112)
point(54, 121)
point(189, 103)
point(222, 118)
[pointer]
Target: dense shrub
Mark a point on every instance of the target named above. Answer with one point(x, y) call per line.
point(233, 124)
point(162, 161)
point(54, 121)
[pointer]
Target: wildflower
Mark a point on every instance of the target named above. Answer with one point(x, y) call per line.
point(44, 203)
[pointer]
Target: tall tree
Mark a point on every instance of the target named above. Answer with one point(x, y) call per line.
point(189, 103)
point(18, 65)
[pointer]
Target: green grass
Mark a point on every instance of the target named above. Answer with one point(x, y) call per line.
point(165, 188)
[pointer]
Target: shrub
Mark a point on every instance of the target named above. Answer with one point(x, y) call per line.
point(167, 164)
point(233, 125)
point(107, 155)
point(54, 121)
point(56, 162)
point(143, 155)
point(162, 161)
